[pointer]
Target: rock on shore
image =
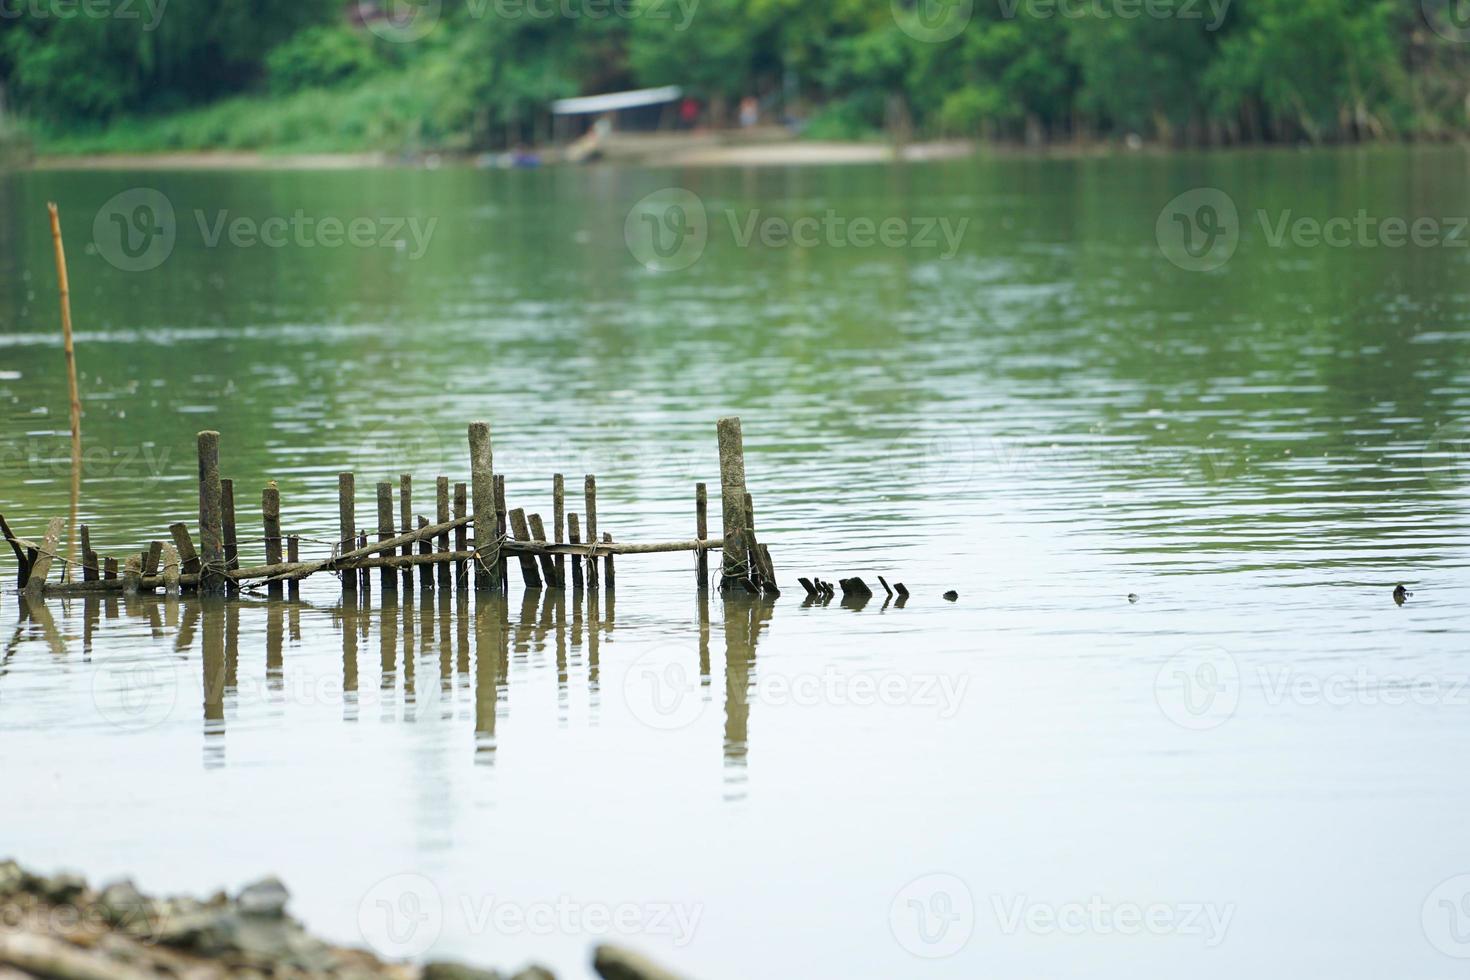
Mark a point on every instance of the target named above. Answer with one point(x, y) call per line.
point(58, 927)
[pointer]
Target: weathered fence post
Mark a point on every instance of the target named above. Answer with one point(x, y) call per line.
point(232, 539)
point(211, 517)
point(405, 511)
point(293, 555)
point(89, 560)
point(461, 533)
point(270, 513)
point(558, 524)
point(608, 563)
point(528, 564)
point(732, 498)
point(548, 567)
point(188, 557)
point(482, 484)
point(441, 516)
point(36, 584)
point(385, 533)
point(590, 487)
point(701, 531)
point(426, 548)
point(347, 523)
point(574, 536)
point(502, 528)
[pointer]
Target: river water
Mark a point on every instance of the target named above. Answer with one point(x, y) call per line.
point(1049, 385)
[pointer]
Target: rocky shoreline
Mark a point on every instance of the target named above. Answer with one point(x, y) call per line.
point(58, 927)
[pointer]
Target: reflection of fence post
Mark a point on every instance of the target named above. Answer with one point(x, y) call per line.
point(732, 498)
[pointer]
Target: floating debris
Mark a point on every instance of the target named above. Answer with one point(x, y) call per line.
point(1400, 594)
point(952, 595)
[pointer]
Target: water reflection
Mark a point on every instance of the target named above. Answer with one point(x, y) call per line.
point(442, 656)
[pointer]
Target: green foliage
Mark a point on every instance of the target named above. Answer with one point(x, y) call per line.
point(298, 72)
point(320, 57)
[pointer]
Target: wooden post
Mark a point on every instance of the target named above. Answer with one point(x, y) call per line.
point(426, 547)
point(36, 584)
point(441, 516)
point(365, 580)
point(63, 285)
point(749, 513)
point(347, 523)
point(109, 569)
point(188, 557)
point(502, 527)
point(608, 564)
point(482, 482)
point(172, 567)
point(270, 514)
point(133, 576)
point(385, 531)
point(574, 536)
point(405, 511)
point(211, 517)
point(232, 540)
point(461, 534)
point(701, 532)
point(155, 556)
point(590, 487)
point(528, 564)
point(293, 555)
point(548, 567)
point(732, 498)
point(558, 524)
point(89, 561)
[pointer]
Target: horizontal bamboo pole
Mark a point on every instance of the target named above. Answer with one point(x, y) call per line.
point(364, 558)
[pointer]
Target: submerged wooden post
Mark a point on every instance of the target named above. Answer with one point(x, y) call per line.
point(441, 516)
point(461, 533)
point(548, 567)
point(701, 532)
point(270, 514)
point(426, 548)
point(172, 568)
point(89, 561)
point(558, 524)
point(232, 539)
point(44, 556)
point(482, 484)
point(132, 575)
point(293, 555)
point(528, 564)
point(385, 531)
point(590, 487)
point(732, 498)
point(109, 569)
point(608, 561)
point(405, 511)
point(211, 517)
point(574, 536)
point(502, 527)
point(184, 545)
point(346, 523)
point(152, 562)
